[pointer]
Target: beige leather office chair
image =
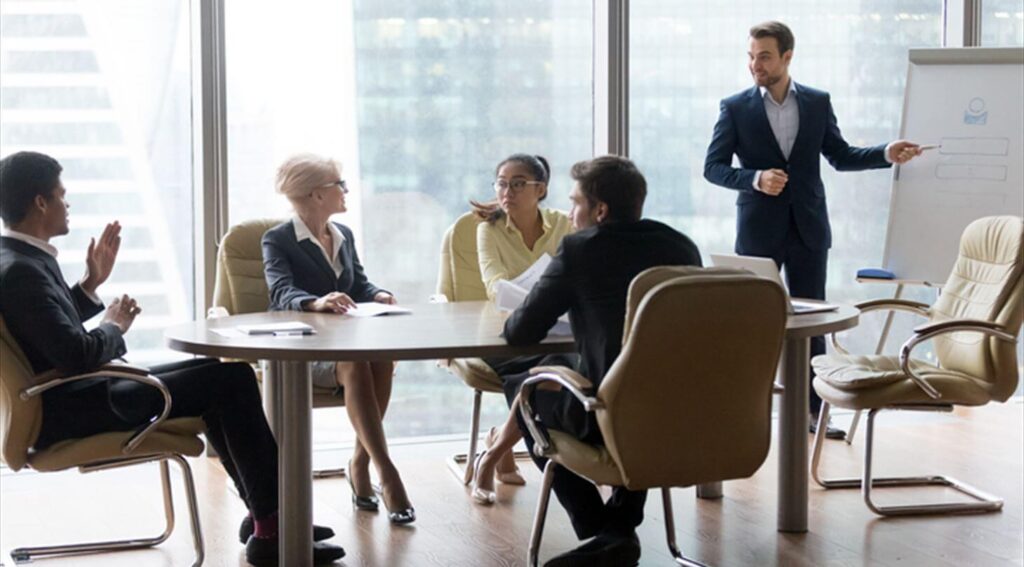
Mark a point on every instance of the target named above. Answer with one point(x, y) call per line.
point(974, 324)
point(700, 349)
point(162, 440)
point(241, 287)
point(459, 279)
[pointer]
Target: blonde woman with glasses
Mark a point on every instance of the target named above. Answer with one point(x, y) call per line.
point(515, 233)
point(311, 265)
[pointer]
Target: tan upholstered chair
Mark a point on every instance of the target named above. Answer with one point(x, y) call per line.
point(459, 279)
point(241, 287)
point(700, 349)
point(974, 324)
point(162, 440)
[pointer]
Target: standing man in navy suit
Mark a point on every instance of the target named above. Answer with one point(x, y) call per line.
point(777, 129)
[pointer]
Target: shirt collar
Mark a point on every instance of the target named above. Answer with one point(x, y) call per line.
point(789, 91)
point(545, 221)
point(302, 232)
point(31, 240)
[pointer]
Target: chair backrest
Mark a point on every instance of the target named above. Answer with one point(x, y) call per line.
point(20, 420)
point(689, 398)
point(459, 276)
point(240, 286)
point(987, 282)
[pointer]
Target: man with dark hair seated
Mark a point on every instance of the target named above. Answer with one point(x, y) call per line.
point(589, 278)
point(45, 317)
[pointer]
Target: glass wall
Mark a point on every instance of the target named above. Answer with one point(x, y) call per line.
point(685, 58)
point(1002, 23)
point(419, 101)
point(103, 87)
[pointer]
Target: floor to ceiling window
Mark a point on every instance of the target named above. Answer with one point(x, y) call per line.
point(1002, 23)
point(103, 87)
point(419, 101)
point(686, 57)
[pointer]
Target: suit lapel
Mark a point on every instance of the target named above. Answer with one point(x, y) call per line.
point(803, 111)
point(317, 256)
point(761, 124)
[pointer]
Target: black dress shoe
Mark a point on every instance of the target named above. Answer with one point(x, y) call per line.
point(605, 550)
point(830, 432)
point(247, 528)
point(264, 552)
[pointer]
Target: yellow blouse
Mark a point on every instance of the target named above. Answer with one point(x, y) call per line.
point(504, 255)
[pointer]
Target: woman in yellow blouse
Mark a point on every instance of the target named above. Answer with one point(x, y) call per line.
point(515, 233)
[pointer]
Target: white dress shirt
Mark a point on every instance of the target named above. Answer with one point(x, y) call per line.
point(49, 249)
point(784, 119)
point(302, 232)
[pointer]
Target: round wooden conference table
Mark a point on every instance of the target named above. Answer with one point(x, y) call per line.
point(438, 331)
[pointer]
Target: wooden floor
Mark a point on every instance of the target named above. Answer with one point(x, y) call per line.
point(981, 446)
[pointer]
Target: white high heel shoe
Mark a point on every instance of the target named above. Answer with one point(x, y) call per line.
point(480, 495)
point(513, 477)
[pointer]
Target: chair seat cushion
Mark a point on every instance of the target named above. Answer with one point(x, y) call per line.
point(476, 374)
point(868, 381)
point(593, 462)
point(179, 435)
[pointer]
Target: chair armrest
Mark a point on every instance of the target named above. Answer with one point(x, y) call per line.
point(929, 331)
point(569, 375)
point(564, 377)
point(892, 304)
point(953, 325)
point(111, 370)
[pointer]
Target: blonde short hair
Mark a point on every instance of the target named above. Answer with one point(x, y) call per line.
point(300, 174)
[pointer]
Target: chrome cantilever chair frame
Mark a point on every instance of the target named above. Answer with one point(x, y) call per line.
point(25, 554)
point(984, 502)
point(542, 447)
point(462, 464)
point(890, 305)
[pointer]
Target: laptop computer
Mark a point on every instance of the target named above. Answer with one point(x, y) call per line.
point(766, 268)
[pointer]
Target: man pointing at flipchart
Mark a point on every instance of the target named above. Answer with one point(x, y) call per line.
point(778, 129)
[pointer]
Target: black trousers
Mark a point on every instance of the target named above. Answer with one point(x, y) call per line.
point(225, 395)
point(806, 270)
point(588, 512)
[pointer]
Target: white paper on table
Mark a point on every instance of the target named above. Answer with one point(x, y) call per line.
point(373, 309)
point(510, 296)
point(531, 276)
point(229, 333)
point(283, 327)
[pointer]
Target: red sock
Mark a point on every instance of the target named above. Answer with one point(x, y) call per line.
point(265, 527)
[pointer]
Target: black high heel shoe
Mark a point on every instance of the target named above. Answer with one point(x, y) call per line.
point(399, 517)
point(366, 503)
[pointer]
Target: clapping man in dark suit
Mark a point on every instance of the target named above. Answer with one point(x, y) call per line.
point(778, 129)
point(45, 317)
point(589, 279)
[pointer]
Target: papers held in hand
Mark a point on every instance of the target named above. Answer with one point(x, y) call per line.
point(511, 294)
point(284, 328)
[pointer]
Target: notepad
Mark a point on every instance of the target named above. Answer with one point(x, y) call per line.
point(284, 327)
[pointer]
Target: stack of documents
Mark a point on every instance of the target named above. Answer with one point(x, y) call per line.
point(511, 294)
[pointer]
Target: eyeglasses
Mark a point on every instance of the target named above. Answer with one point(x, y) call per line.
point(340, 183)
point(514, 186)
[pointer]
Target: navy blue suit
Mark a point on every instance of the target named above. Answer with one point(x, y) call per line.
point(792, 228)
point(298, 271)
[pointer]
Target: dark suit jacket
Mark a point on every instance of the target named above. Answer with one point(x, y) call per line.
point(589, 278)
point(298, 271)
point(762, 220)
point(45, 315)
